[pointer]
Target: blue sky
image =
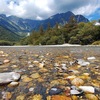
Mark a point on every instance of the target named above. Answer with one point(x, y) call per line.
point(95, 15)
point(42, 9)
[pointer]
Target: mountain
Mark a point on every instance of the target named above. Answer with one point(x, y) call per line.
point(19, 25)
point(8, 35)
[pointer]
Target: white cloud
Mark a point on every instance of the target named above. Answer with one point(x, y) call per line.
point(41, 9)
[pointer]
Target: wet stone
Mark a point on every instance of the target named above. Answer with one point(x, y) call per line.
point(9, 77)
point(1, 63)
point(40, 89)
point(55, 91)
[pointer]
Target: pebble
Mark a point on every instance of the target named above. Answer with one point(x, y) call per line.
point(91, 58)
point(6, 95)
point(87, 89)
point(35, 75)
point(60, 97)
point(55, 91)
point(30, 66)
point(91, 97)
point(13, 84)
point(9, 77)
point(6, 61)
point(71, 77)
point(74, 97)
point(41, 65)
point(37, 97)
point(1, 52)
point(77, 82)
point(14, 66)
point(64, 67)
point(75, 92)
point(1, 63)
point(31, 89)
point(82, 62)
point(20, 97)
point(26, 79)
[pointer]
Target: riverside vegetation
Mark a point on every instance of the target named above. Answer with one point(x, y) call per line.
point(72, 32)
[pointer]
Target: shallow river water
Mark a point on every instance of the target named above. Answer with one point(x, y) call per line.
point(48, 72)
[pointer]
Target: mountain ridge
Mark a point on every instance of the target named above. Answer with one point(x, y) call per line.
point(8, 35)
point(20, 25)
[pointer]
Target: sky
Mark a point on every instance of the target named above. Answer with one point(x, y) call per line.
point(42, 9)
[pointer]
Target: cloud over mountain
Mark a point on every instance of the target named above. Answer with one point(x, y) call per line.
point(42, 9)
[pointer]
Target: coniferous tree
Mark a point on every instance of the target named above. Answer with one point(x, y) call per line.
point(41, 30)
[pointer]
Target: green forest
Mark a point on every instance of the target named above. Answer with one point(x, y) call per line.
point(72, 32)
point(8, 37)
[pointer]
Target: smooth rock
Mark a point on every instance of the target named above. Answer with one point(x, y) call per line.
point(82, 62)
point(30, 66)
point(87, 89)
point(71, 77)
point(37, 97)
point(6, 95)
point(14, 66)
point(41, 65)
point(36, 62)
point(6, 61)
point(74, 97)
point(60, 97)
point(77, 82)
point(20, 97)
point(97, 90)
point(64, 67)
point(91, 58)
point(1, 63)
point(9, 77)
point(56, 65)
point(35, 75)
point(1, 52)
point(12, 84)
point(91, 97)
point(55, 91)
point(75, 92)
point(31, 89)
point(27, 79)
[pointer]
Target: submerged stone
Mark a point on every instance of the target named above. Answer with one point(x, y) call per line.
point(9, 77)
point(55, 91)
point(77, 82)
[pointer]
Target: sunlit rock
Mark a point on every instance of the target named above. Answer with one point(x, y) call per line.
point(60, 97)
point(13, 84)
point(77, 82)
point(6, 95)
point(35, 75)
point(91, 97)
point(37, 97)
point(91, 58)
point(9, 77)
point(87, 89)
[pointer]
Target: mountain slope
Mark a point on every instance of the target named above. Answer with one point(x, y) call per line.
point(8, 35)
point(20, 25)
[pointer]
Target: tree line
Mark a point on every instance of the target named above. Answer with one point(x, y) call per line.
point(72, 32)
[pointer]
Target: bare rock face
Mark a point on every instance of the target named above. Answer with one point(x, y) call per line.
point(9, 77)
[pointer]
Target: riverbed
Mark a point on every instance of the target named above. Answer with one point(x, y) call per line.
point(45, 67)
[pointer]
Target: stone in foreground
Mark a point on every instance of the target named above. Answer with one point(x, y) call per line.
point(9, 77)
